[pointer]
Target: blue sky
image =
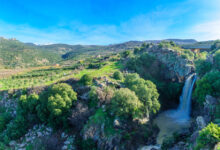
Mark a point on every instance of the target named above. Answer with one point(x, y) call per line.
point(108, 21)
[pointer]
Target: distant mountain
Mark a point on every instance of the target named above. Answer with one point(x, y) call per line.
point(15, 54)
point(204, 44)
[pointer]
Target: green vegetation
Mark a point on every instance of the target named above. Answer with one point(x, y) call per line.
point(215, 45)
point(126, 104)
point(35, 77)
point(86, 79)
point(217, 60)
point(93, 97)
point(118, 75)
point(187, 54)
point(118, 104)
point(208, 137)
point(14, 54)
point(50, 107)
point(202, 67)
point(55, 105)
point(145, 90)
point(209, 84)
point(102, 117)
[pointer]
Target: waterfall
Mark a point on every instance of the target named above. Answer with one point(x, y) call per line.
point(172, 121)
point(183, 112)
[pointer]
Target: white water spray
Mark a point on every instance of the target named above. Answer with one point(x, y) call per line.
point(175, 120)
point(182, 114)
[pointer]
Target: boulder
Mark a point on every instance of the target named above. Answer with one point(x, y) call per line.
point(200, 122)
point(12, 143)
point(210, 108)
point(150, 147)
point(117, 123)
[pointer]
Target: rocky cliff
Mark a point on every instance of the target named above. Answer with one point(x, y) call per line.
point(178, 66)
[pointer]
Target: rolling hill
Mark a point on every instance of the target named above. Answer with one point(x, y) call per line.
point(15, 54)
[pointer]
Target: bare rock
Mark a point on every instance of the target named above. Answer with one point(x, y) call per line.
point(200, 122)
point(150, 147)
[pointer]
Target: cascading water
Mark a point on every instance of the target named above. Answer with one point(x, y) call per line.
point(183, 111)
point(174, 120)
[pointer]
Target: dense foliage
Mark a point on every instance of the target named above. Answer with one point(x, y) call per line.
point(208, 84)
point(215, 45)
point(86, 79)
point(217, 60)
point(208, 137)
point(145, 90)
point(187, 54)
point(118, 75)
point(202, 67)
point(126, 104)
point(55, 106)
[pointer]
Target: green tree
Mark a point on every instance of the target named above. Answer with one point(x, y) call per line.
point(28, 104)
point(215, 45)
point(55, 104)
point(86, 79)
point(118, 75)
point(208, 136)
point(136, 50)
point(208, 84)
point(145, 90)
point(202, 67)
point(126, 104)
point(217, 60)
point(126, 53)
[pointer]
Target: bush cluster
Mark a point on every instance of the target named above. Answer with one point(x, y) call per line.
point(208, 84)
point(145, 90)
point(50, 107)
point(86, 79)
point(208, 137)
point(126, 104)
point(118, 75)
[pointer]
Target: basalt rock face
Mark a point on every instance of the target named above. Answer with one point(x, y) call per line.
point(178, 67)
point(97, 134)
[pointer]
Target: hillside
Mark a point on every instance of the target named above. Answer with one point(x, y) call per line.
point(15, 54)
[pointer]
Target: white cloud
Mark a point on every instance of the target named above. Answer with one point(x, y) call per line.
point(209, 30)
point(138, 28)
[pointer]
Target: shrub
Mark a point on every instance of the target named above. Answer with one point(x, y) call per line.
point(126, 53)
point(28, 104)
point(217, 59)
point(208, 84)
point(145, 90)
point(5, 118)
point(202, 67)
point(59, 102)
point(167, 143)
point(88, 144)
point(136, 50)
point(93, 97)
point(15, 129)
point(208, 136)
point(118, 75)
point(126, 104)
point(86, 79)
point(215, 45)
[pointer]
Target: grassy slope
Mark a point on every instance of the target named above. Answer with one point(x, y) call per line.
point(47, 76)
point(15, 54)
